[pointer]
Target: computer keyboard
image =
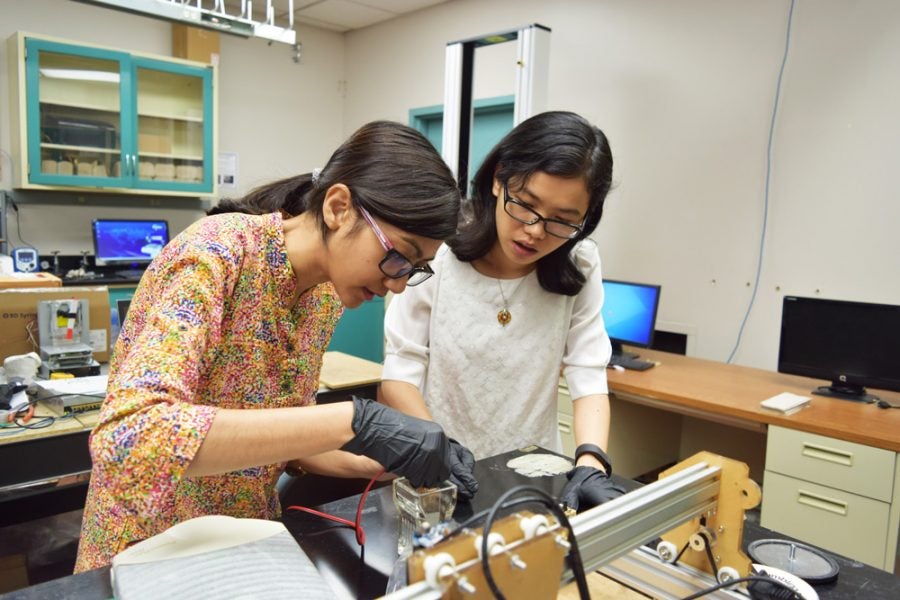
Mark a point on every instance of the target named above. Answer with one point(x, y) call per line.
point(632, 363)
point(130, 273)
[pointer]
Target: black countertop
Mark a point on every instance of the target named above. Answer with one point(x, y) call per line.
point(100, 279)
point(353, 573)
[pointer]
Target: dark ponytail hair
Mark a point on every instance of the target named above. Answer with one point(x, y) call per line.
point(392, 170)
point(562, 144)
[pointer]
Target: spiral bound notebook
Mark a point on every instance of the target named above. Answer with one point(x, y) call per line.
point(218, 557)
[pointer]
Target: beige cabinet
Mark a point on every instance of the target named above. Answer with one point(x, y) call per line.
point(839, 495)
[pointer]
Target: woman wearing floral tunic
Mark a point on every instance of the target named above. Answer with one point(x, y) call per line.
point(213, 379)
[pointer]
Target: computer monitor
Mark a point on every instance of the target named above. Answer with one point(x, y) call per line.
point(853, 344)
point(629, 313)
point(130, 242)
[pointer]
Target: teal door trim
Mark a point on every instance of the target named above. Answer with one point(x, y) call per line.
point(492, 119)
point(204, 75)
point(418, 117)
point(33, 48)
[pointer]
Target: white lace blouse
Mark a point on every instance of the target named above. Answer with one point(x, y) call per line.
point(494, 387)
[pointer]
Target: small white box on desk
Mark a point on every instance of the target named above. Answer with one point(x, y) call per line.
point(785, 403)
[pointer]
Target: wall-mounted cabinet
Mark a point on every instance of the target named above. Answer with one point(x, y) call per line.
point(100, 118)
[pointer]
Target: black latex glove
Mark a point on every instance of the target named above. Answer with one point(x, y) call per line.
point(588, 487)
point(413, 448)
point(462, 465)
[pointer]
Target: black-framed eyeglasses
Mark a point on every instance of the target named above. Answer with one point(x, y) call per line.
point(394, 264)
point(523, 213)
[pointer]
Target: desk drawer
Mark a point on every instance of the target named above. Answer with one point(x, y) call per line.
point(833, 519)
point(835, 463)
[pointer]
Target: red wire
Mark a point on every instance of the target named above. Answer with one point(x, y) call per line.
point(357, 526)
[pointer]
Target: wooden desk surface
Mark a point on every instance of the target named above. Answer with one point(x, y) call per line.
point(735, 392)
point(9, 435)
point(339, 372)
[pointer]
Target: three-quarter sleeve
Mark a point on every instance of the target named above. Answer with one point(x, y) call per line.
point(407, 326)
point(588, 348)
point(150, 429)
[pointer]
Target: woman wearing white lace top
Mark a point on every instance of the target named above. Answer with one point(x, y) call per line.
point(515, 297)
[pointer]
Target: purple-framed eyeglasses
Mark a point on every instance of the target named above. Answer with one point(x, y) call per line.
point(394, 264)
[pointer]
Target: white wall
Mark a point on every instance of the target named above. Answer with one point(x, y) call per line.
point(684, 90)
point(280, 117)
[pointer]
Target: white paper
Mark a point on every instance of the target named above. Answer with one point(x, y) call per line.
point(785, 401)
point(93, 384)
point(227, 171)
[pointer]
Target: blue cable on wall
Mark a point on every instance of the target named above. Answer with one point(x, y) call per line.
point(762, 238)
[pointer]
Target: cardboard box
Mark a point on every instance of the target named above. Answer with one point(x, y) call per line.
point(194, 43)
point(18, 318)
point(154, 143)
point(30, 280)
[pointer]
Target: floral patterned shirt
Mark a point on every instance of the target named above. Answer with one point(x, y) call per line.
point(210, 325)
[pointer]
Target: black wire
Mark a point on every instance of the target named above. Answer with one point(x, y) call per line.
point(38, 424)
point(87, 395)
point(47, 421)
point(549, 502)
point(709, 557)
point(732, 582)
point(480, 516)
point(18, 225)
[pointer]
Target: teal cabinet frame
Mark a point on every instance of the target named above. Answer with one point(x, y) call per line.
point(128, 68)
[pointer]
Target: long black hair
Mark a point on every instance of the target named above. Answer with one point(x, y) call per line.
point(558, 143)
point(392, 171)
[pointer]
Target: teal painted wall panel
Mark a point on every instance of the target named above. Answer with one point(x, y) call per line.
point(360, 331)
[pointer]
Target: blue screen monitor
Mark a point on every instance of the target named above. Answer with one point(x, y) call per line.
point(629, 313)
point(128, 242)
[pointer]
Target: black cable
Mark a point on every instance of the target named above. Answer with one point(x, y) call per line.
point(18, 224)
point(732, 582)
point(86, 395)
point(38, 424)
point(480, 516)
point(709, 556)
point(45, 421)
point(550, 503)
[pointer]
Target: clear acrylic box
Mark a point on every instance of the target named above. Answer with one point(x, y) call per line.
point(420, 509)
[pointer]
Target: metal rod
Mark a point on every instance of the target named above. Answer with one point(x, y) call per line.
point(642, 570)
point(614, 528)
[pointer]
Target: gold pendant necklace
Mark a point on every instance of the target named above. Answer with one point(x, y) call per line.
point(504, 316)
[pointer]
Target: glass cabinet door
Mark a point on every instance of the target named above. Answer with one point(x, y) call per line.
point(174, 133)
point(74, 114)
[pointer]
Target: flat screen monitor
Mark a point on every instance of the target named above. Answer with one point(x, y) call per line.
point(629, 313)
point(130, 242)
point(852, 344)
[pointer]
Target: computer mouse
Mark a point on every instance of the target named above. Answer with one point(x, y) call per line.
point(617, 367)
